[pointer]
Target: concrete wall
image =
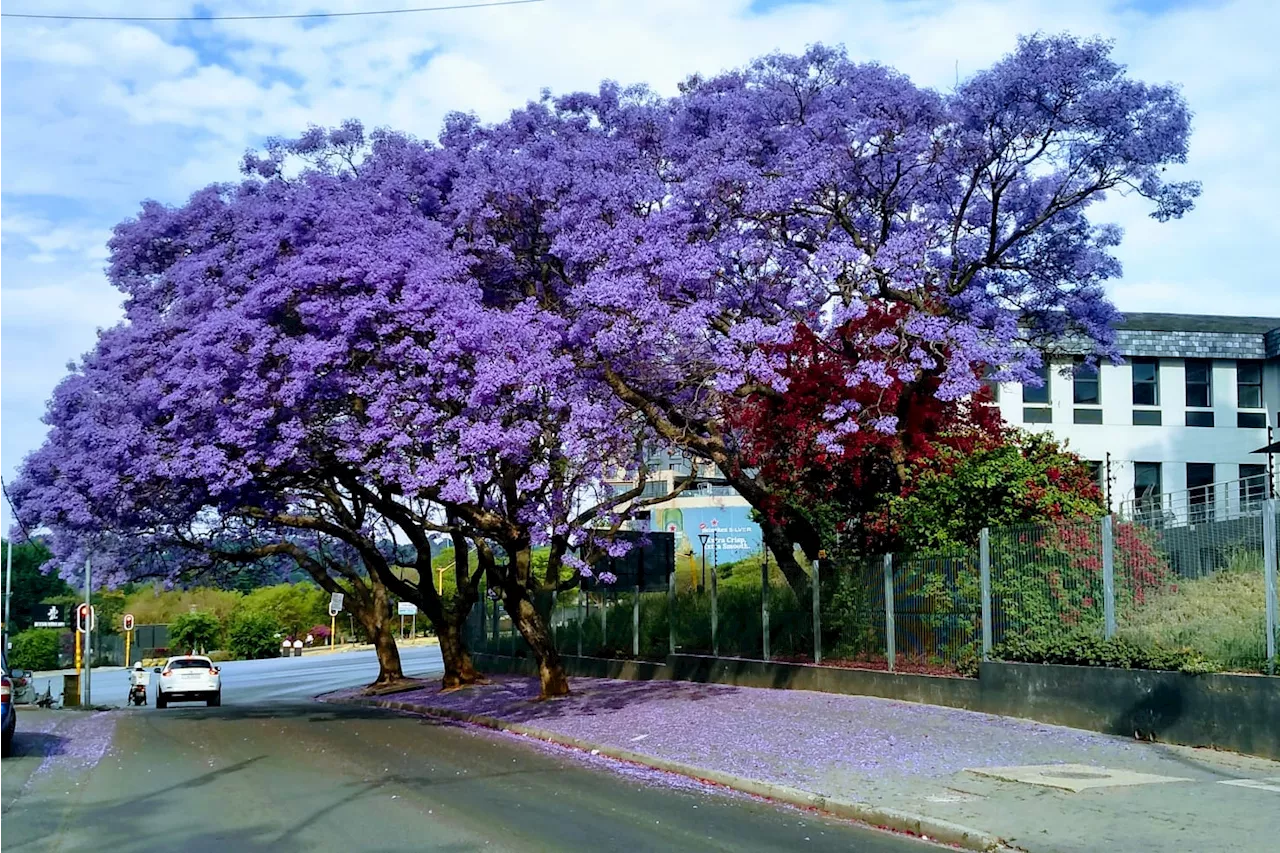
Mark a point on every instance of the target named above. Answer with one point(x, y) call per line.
point(1240, 713)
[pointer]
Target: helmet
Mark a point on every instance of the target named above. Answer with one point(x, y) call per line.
point(138, 665)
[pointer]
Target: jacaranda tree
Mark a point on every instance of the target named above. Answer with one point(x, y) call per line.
point(374, 337)
point(690, 237)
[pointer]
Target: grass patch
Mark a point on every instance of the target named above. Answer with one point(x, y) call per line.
point(1222, 616)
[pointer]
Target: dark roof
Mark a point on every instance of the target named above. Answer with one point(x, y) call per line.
point(1198, 323)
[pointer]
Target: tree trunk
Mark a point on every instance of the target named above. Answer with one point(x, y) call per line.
point(376, 619)
point(459, 670)
point(384, 643)
point(784, 552)
point(533, 628)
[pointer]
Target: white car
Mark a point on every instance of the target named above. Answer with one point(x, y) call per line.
point(189, 678)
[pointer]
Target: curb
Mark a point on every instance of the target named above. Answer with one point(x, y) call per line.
point(923, 826)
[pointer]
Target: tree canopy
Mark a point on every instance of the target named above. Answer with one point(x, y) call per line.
point(371, 337)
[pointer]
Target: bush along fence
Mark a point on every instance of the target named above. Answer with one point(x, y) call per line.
point(1115, 591)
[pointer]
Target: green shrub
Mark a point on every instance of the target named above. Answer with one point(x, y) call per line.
point(1092, 650)
point(195, 632)
point(1221, 615)
point(252, 636)
point(35, 649)
point(294, 607)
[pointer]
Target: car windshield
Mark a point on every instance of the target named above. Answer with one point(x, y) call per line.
point(190, 663)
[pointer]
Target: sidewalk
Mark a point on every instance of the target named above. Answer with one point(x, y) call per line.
point(894, 762)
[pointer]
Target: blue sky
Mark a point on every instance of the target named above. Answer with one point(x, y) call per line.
point(98, 117)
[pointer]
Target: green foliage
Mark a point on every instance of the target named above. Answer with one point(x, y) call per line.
point(35, 649)
point(1222, 615)
point(1029, 478)
point(294, 607)
point(30, 585)
point(151, 605)
point(1093, 650)
point(253, 635)
point(195, 631)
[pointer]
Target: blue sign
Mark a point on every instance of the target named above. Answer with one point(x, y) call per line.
point(731, 534)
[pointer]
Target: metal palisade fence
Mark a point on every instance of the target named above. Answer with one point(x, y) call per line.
point(1190, 582)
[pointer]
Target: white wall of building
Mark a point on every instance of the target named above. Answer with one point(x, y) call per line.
point(1173, 444)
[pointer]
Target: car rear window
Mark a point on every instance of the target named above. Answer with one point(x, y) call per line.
point(190, 663)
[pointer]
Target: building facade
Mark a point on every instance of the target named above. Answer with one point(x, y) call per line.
point(1178, 422)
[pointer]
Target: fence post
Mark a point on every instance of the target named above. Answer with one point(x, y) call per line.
point(984, 570)
point(764, 603)
point(497, 645)
point(581, 621)
point(671, 612)
point(715, 617)
point(1270, 553)
point(890, 633)
point(635, 622)
point(817, 616)
point(604, 620)
point(1108, 579)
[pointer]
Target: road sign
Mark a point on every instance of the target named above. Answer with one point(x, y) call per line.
point(127, 619)
point(86, 618)
point(48, 616)
point(335, 602)
point(406, 608)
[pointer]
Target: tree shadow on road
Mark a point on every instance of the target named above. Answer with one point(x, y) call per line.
point(38, 744)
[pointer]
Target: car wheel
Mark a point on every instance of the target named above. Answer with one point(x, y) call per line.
point(160, 700)
point(214, 701)
point(6, 746)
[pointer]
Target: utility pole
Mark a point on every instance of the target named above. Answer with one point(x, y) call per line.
point(85, 678)
point(8, 566)
point(8, 590)
point(703, 537)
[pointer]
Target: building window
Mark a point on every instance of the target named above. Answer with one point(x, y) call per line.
point(1199, 383)
point(1249, 384)
point(1037, 415)
point(1146, 487)
point(1251, 420)
point(1146, 382)
point(1199, 419)
point(1087, 389)
point(1037, 394)
point(1200, 490)
point(1088, 416)
point(1146, 417)
point(1253, 485)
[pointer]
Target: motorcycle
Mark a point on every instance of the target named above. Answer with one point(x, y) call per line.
point(138, 694)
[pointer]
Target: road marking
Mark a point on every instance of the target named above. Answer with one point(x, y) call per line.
point(1269, 784)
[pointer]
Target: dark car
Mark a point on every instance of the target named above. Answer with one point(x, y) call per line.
point(10, 715)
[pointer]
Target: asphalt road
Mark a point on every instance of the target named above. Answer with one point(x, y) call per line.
point(271, 770)
point(250, 681)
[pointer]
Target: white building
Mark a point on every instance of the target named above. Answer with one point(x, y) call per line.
point(1180, 418)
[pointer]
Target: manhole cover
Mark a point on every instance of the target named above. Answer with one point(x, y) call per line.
point(1074, 774)
point(1072, 777)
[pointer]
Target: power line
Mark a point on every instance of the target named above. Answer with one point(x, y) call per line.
point(296, 17)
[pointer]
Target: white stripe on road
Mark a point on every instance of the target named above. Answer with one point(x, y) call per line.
point(1271, 784)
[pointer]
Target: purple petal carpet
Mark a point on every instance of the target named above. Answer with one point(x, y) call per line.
point(855, 747)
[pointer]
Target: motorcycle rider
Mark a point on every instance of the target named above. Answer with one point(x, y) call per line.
point(139, 677)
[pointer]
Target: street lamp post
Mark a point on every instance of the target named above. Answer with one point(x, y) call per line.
point(703, 537)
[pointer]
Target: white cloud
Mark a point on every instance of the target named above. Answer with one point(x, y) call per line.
point(100, 116)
